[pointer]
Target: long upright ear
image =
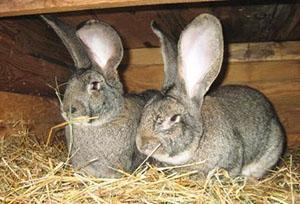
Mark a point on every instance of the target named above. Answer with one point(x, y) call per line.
point(200, 55)
point(169, 53)
point(103, 44)
point(68, 36)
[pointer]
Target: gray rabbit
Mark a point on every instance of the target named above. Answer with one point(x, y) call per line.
point(107, 140)
point(234, 127)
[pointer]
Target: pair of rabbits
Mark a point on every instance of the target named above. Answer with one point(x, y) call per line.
point(233, 127)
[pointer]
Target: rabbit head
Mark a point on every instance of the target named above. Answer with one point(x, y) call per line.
point(96, 91)
point(95, 88)
point(172, 120)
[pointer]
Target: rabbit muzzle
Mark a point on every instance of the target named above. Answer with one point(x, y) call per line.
point(147, 144)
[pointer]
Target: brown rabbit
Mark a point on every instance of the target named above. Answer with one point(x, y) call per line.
point(107, 141)
point(234, 127)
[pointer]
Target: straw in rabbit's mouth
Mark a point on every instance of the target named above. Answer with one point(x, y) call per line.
point(151, 152)
point(92, 118)
point(69, 122)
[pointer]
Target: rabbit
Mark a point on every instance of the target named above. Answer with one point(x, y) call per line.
point(107, 140)
point(233, 127)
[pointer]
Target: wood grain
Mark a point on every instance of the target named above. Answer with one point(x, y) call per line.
point(32, 56)
point(38, 113)
point(26, 74)
point(237, 52)
point(139, 77)
point(241, 22)
point(267, 51)
point(23, 7)
point(278, 80)
point(293, 140)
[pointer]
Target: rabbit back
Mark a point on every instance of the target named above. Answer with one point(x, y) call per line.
point(254, 119)
point(241, 133)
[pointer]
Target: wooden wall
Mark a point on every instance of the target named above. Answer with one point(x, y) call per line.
point(32, 57)
point(37, 114)
point(277, 75)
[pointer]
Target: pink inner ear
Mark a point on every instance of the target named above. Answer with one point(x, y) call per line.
point(99, 43)
point(197, 54)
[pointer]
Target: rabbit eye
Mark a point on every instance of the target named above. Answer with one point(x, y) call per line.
point(175, 118)
point(95, 85)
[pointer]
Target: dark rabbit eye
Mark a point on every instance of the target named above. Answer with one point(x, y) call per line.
point(73, 109)
point(175, 118)
point(95, 85)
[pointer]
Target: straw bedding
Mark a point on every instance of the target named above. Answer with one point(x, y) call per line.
point(31, 172)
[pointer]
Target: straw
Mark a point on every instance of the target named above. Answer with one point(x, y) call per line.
point(31, 172)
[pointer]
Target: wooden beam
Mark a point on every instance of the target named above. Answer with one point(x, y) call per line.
point(25, 7)
point(24, 73)
point(237, 52)
point(278, 80)
point(293, 140)
point(141, 77)
point(27, 74)
point(267, 51)
point(32, 32)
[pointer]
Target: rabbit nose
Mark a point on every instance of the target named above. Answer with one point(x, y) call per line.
point(145, 141)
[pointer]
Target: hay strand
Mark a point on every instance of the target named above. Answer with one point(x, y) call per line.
point(35, 173)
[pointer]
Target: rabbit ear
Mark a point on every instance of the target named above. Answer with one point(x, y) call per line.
point(169, 53)
point(68, 36)
point(200, 55)
point(103, 44)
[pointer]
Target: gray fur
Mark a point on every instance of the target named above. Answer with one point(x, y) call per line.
point(72, 43)
point(234, 127)
point(105, 143)
point(169, 52)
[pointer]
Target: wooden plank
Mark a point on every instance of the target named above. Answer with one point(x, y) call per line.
point(293, 140)
point(24, 67)
point(39, 114)
point(23, 7)
point(268, 51)
point(237, 52)
point(241, 22)
point(282, 92)
point(289, 116)
point(263, 71)
point(278, 80)
point(137, 76)
point(32, 37)
point(26, 74)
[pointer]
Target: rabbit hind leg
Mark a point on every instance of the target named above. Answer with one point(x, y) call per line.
point(272, 153)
